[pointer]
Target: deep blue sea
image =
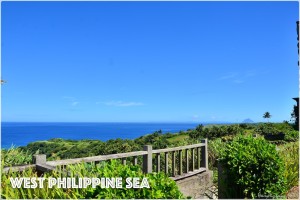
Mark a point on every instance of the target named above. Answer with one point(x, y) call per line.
point(22, 133)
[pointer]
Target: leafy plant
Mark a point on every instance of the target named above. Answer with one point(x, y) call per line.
point(290, 155)
point(215, 149)
point(291, 135)
point(161, 186)
point(267, 129)
point(15, 156)
point(254, 167)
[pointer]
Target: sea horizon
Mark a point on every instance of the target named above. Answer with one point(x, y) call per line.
point(22, 133)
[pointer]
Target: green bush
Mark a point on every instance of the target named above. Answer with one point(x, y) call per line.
point(267, 129)
point(291, 135)
point(161, 186)
point(274, 128)
point(254, 167)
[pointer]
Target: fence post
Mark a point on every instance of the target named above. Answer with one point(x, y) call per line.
point(147, 159)
point(204, 155)
point(40, 164)
point(39, 159)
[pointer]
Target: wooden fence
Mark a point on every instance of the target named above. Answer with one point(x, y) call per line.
point(198, 164)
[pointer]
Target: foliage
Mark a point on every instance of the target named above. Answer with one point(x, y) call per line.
point(247, 126)
point(276, 129)
point(220, 131)
point(215, 149)
point(267, 115)
point(267, 129)
point(158, 140)
point(291, 136)
point(290, 155)
point(15, 156)
point(295, 116)
point(63, 149)
point(193, 134)
point(254, 167)
point(161, 187)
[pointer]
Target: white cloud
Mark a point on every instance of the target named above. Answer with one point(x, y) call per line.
point(228, 76)
point(238, 81)
point(121, 103)
point(195, 116)
point(238, 77)
point(71, 100)
point(75, 103)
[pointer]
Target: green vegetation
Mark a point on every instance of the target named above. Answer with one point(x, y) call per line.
point(290, 155)
point(15, 156)
point(161, 186)
point(267, 115)
point(220, 139)
point(254, 167)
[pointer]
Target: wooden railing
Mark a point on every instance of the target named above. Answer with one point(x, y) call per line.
point(198, 154)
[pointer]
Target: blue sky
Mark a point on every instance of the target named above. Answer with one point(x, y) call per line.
point(148, 61)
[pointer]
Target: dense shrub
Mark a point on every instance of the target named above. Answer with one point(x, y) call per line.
point(161, 187)
point(273, 128)
point(212, 132)
point(254, 167)
point(291, 135)
point(193, 134)
point(267, 129)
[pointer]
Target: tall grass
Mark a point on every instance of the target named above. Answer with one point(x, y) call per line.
point(15, 156)
point(290, 154)
point(161, 186)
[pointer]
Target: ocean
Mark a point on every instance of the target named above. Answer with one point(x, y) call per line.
point(22, 133)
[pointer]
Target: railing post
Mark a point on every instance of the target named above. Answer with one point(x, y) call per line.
point(204, 155)
point(193, 159)
point(173, 164)
point(158, 162)
point(166, 162)
point(180, 162)
point(147, 159)
point(187, 160)
point(135, 160)
point(40, 164)
point(198, 157)
point(39, 159)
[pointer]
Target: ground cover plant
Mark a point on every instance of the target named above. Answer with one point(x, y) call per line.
point(161, 186)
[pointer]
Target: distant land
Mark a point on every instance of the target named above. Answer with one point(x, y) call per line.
point(248, 121)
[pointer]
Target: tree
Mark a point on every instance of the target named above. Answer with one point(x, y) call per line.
point(295, 114)
point(199, 128)
point(267, 116)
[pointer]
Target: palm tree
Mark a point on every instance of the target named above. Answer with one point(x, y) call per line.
point(267, 115)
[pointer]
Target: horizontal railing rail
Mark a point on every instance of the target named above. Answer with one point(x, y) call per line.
point(178, 148)
point(96, 158)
